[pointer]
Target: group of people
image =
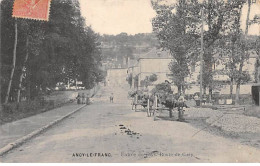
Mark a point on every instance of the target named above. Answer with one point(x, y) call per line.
point(82, 99)
point(197, 100)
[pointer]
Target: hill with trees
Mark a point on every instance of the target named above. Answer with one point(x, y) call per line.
point(118, 48)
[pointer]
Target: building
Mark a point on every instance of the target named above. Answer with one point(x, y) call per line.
point(223, 79)
point(157, 62)
point(154, 62)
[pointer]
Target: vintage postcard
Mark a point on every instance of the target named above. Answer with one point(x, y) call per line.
point(130, 81)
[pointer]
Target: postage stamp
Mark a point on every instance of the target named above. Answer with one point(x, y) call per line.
point(32, 9)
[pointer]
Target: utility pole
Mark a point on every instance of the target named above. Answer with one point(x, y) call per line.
point(201, 53)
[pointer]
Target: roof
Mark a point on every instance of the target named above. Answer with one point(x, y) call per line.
point(156, 54)
point(117, 69)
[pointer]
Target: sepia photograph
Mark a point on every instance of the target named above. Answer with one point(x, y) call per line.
point(130, 81)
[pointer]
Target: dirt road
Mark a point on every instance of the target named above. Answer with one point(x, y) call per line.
point(97, 133)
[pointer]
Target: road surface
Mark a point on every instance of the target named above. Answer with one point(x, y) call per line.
point(97, 134)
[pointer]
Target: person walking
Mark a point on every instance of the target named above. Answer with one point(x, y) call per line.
point(83, 98)
point(197, 100)
point(180, 104)
point(111, 98)
point(78, 99)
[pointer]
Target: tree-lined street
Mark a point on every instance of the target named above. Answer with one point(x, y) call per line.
point(96, 129)
point(179, 84)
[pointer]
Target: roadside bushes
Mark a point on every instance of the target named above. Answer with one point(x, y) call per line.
point(14, 111)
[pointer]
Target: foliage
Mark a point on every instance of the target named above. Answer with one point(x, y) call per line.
point(123, 46)
point(152, 78)
point(178, 29)
point(148, 80)
point(163, 88)
point(135, 92)
point(257, 65)
point(175, 32)
point(59, 50)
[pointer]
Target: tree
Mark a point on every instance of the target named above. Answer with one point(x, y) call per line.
point(257, 65)
point(13, 66)
point(175, 31)
point(235, 46)
point(229, 45)
point(149, 80)
point(217, 13)
point(48, 52)
point(178, 25)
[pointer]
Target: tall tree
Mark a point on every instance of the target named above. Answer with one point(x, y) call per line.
point(59, 50)
point(244, 54)
point(175, 31)
point(165, 25)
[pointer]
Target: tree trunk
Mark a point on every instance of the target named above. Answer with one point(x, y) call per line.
point(179, 90)
point(183, 90)
point(258, 76)
point(204, 90)
point(257, 65)
point(211, 79)
point(233, 67)
point(170, 113)
point(247, 17)
point(243, 58)
point(239, 80)
point(237, 93)
point(14, 62)
point(28, 83)
point(68, 83)
point(231, 88)
point(76, 83)
point(23, 70)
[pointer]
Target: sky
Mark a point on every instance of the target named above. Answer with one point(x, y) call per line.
point(133, 16)
point(116, 16)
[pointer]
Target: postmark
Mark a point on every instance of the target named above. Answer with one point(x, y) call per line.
point(32, 9)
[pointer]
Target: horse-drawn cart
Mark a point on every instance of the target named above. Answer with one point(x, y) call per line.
point(157, 100)
point(142, 100)
point(170, 104)
point(154, 104)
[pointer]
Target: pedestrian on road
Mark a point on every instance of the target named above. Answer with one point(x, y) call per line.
point(111, 98)
point(78, 99)
point(83, 98)
point(204, 99)
point(197, 100)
